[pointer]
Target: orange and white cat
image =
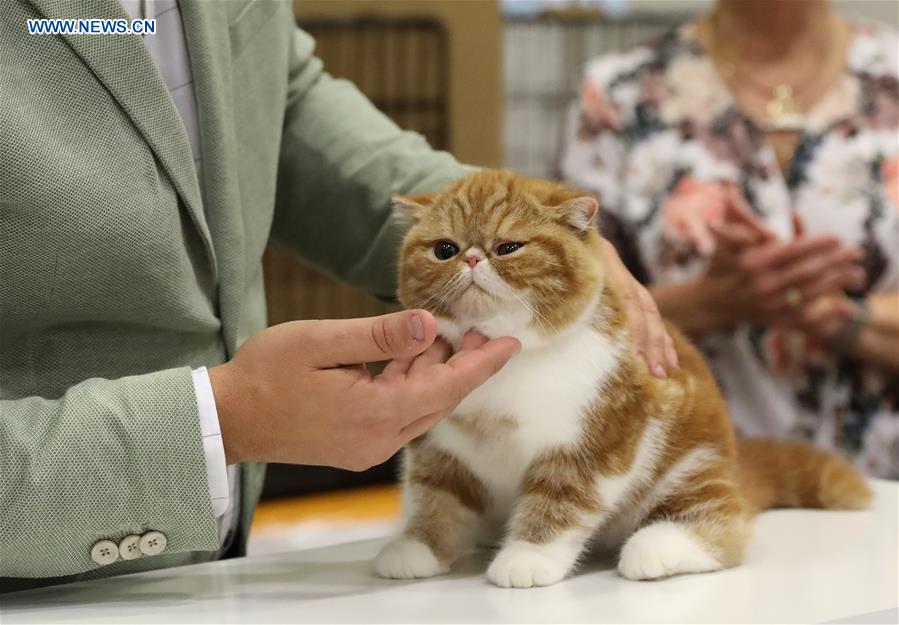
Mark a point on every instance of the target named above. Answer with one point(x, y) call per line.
point(573, 444)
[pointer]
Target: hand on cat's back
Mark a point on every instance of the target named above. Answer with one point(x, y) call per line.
point(299, 392)
point(647, 329)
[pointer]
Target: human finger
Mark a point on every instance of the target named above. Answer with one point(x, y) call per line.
point(776, 254)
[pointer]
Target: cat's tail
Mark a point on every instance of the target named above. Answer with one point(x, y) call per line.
point(778, 473)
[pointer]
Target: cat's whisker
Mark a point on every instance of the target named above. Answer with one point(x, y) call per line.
point(537, 314)
point(447, 292)
point(534, 312)
point(441, 293)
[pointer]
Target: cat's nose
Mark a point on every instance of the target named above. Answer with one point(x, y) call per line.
point(474, 257)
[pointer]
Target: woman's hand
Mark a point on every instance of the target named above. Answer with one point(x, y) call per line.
point(825, 317)
point(771, 283)
point(644, 321)
point(755, 277)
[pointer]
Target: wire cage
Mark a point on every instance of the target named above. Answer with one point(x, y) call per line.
point(401, 65)
point(545, 56)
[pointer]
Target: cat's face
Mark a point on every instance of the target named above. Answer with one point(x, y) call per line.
point(501, 253)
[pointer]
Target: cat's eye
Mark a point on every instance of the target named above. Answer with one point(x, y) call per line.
point(508, 247)
point(444, 250)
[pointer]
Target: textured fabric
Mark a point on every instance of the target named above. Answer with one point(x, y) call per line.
point(105, 428)
point(213, 447)
point(223, 480)
point(168, 49)
point(658, 135)
point(119, 277)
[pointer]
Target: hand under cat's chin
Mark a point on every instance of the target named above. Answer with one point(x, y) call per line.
point(453, 332)
point(450, 332)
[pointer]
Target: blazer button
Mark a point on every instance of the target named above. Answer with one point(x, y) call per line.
point(129, 547)
point(105, 552)
point(152, 543)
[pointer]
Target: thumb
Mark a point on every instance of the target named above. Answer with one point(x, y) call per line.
point(355, 341)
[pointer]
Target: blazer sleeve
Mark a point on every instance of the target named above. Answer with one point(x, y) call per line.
point(108, 459)
point(341, 160)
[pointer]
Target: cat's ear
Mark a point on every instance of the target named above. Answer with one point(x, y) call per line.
point(411, 207)
point(580, 212)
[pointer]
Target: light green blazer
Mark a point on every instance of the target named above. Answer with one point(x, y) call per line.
point(117, 276)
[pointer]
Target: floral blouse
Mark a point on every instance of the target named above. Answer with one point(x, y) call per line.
point(657, 135)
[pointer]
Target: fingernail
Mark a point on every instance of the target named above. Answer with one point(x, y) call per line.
point(416, 328)
point(659, 371)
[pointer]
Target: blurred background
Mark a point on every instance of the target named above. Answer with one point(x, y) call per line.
point(488, 80)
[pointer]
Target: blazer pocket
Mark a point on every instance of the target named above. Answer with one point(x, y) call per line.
point(249, 22)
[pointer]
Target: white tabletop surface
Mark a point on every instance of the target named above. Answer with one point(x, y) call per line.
point(804, 566)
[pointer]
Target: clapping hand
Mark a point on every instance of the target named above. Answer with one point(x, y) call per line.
point(766, 280)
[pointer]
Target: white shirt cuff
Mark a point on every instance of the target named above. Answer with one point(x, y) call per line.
point(213, 447)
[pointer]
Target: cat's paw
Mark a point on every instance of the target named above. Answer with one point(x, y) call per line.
point(664, 549)
point(407, 558)
point(522, 566)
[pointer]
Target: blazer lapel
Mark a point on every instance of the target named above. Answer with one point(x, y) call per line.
point(124, 67)
point(206, 28)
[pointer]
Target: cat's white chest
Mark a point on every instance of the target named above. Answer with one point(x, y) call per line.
point(544, 393)
point(547, 389)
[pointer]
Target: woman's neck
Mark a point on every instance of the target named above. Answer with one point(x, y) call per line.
point(761, 31)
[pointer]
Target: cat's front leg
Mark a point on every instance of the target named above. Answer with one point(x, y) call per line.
point(444, 501)
point(557, 512)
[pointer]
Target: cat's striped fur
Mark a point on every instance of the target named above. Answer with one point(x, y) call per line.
point(573, 443)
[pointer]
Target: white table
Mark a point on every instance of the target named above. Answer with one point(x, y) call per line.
point(803, 566)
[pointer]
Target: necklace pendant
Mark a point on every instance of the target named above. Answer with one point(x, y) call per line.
point(784, 112)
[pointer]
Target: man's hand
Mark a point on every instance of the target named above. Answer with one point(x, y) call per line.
point(644, 321)
point(299, 392)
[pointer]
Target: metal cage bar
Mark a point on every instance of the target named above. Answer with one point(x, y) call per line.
point(545, 56)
